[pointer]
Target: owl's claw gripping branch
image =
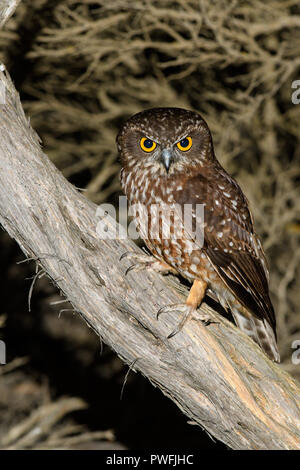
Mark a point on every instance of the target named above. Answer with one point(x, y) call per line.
point(188, 312)
point(146, 262)
point(189, 309)
point(195, 297)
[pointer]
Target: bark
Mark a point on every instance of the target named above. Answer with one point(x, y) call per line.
point(7, 8)
point(215, 374)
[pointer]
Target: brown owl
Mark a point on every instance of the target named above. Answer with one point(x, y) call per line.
point(168, 159)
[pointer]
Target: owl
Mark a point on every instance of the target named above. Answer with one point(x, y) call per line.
point(168, 161)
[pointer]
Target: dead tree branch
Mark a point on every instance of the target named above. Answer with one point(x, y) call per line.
point(216, 375)
point(7, 8)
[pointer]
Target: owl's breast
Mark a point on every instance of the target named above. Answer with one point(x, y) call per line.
point(154, 206)
point(141, 186)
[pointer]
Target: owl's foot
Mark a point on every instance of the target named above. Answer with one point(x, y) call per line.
point(189, 309)
point(188, 312)
point(146, 262)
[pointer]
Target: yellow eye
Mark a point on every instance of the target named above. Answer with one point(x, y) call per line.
point(185, 144)
point(147, 145)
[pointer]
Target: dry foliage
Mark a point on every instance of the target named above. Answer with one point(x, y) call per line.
point(44, 427)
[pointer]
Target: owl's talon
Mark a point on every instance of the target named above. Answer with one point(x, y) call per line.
point(159, 312)
point(172, 334)
point(141, 261)
point(205, 318)
point(131, 255)
point(146, 262)
point(188, 312)
point(136, 267)
point(125, 255)
point(169, 309)
point(130, 268)
point(138, 257)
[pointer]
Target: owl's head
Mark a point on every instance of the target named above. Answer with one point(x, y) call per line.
point(165, 140)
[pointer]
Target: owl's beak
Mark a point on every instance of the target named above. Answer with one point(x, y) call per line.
point(167, 156)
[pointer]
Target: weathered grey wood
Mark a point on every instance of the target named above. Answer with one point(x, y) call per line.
point(7, 8)
point(217, 376)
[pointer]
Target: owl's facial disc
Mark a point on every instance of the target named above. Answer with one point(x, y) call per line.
point(165, 141)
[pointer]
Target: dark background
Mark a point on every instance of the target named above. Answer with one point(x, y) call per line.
point(82, 68)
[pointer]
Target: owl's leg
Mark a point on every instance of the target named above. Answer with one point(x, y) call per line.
point(146, 262)
point(197, 293)
point(189, 309)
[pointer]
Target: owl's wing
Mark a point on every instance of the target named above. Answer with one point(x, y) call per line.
point(230, 242)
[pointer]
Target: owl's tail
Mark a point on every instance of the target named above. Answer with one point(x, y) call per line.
point(260, 331)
